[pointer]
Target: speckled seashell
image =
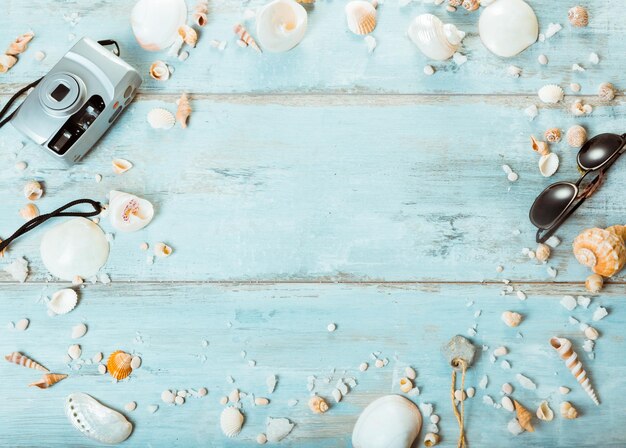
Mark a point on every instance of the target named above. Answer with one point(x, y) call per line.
point(231, 421)
point(159, 118)
point(21, 360)
point(431, 439)
point(159, 71)
point(19, 45)
point(568, 411)
point(183, 111)
point(189, 35)
point(553, 135)
point(121, 166)
point(544, 412)
point(524, 417)
point(49, 379)
point(471, 5)
point(606, 91)
point(578, 16)
point(63, 301)
point(601, 250)
point(576, 136)
point(318, 405)
point(550, 93)
point(406, 385)
point(118, 365)
point(548, 164)
point(539, 146)
point(594, 283)
point(162, 250)
point(33, 190)
point(6, 62)
point(361, 17)
point(200, 13)
point(511, 318)
point(542, 253)
point(29, 211)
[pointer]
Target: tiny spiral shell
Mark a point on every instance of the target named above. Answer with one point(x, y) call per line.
point(245, 37)
point(578, 16)
point(576, 136)
point(539, 146)
point(431, 439)
point(33, 190)
point(183, 111)
point(200, 13)
point(21, 360)
point(471, 5)
point(568, 411)
point(553, 135)
point(594, 283)
point(455, 3)
point(318, 405)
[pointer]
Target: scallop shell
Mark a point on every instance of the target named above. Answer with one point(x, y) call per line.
point(49, 379)
point(508, 27)
point(121, 165)
point(159, 71)
point(318, 405)
point(160, 118)
point(231, 421)
point(564, 348)
point(129, 213)
point(548, 164)
point(601, 250)
point(29, 211)
point(281, 25)
point(21, 360)
point(6, 62)
point(550, 93)
point(63, 301)
point(433, 38)
point(183, 111)
point(77, 247)
point(118, 365)
point(576, 136)
point(578, 16)
point(33, 190)
point(524, 417)
point(19, 45)
point(155, 23)
point(361, 17)
point(189, 35)
point(95, 420)
point(544, 412)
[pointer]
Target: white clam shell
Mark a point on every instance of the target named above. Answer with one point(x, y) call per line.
point(77, 247)
point(548, 164)
point(508, 27)
point(391, 421)
point(129, 213)
point(160, 118)
point(74, 351)
point(95, 420)
point(155, 23)
point(78, 331)
point(231, 421)
point(433, 38)
point(281, 25)
point(550, 93)
point(63, 301)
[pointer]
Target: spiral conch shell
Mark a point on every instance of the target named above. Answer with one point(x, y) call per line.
point(118, 365)
point(564, 348)
point(318, 405)
point(435, 39)
point(361, 17)
point(231, 421)
point(183, 111)
point(20, 359)
point(49, 379)
point(129, 213)
point(524, 417)
point(602, 250)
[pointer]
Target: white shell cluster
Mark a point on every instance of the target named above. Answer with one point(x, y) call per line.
point(155, 23)
point(508, 27)
point(95, 420)
point(129, 213)
point(435, 39)
point(281, 25)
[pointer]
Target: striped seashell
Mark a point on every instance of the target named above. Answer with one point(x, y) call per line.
point(601, 250)
point(19, 45)
point(183, 111)
point(361, 17)
point(18, 358)
point(564, 348)
point(118, 365)
point(245, 37)
point(49, 379)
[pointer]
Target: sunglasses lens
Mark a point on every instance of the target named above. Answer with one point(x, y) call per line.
point(598, 150)
point(551, 203)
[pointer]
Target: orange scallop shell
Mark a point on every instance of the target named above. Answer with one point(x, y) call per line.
point(118, 365)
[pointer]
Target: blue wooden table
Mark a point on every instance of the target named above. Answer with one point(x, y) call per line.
point(323, 185)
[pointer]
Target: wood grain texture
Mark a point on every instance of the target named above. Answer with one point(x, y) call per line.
point(283, 328)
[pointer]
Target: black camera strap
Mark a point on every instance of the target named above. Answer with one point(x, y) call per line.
point(59, 212)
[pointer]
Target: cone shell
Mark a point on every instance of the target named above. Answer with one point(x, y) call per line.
point(19, 45)
point(361, 17)
point(118, 365)
point(318, 405)
point(19, 359)
point(231, 421)
point(49, 379)
point(601, 250)
point(564, 348)
point(524, 417)
point(184, 110)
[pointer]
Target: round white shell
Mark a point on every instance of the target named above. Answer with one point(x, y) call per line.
point(508, 27)
point(160, 118)
point(155, 23)
point(78, 331)
point(231, 421)
point(77, 247)
point(433, 38)
point(391, 421)
point(129, 213)
point(280, 25)
point(63, 301)
point(95, 420)
point(550, 93)
point(548, 164)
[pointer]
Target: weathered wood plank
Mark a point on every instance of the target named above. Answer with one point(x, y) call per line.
point(283, 328)
point(329, 59)
point(326, 188)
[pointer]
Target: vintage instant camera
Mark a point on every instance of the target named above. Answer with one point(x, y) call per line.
point(76, 102)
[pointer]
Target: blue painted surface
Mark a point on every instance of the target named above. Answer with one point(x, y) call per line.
point(371, 196)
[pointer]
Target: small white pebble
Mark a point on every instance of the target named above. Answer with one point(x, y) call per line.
point(500, 351)
point(542, 59)
point(514, 71)
point(507, 389)
point(499, 269)
point(167, 396)
point(153, 408)
point(331, 327)
point(531, 112)
point(261, 439)
point(370, 43)
point(97, 357)
point(21, 166)
point(505, 364)
point(223, 400)
point(521, 295)
point(203, 391)
point(144, 246)
point(594, 58)
point(102, 369)
point(135, 362)
point(460, 395)
point(363, 366)
point(22, 324)
point(564, 390)
point(574, 87)
point(512, 177)
point(40, 56)
point(379, 363)
point(98, 178)
point(600, 313)
point(459, 59)
point(182, 393)
point(183, 56)
point(130, 407)
point(471, 392)
point(429, 70)
point(507, 403)
point(568, 302)
point(410, 373)
point(179, 400)
point(434, 419)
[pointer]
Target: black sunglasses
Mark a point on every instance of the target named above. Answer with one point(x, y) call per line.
point(557, 202)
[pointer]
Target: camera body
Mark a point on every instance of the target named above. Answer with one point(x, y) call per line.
point(77, 101)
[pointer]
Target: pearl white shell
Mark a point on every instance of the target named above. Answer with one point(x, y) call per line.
point(155, 23)
point(63, 301)
point(391, 421)
point(231, 421)
point(77, 247)
point(508, 27)
point(550, 94)
point(160, 118)
point(548, 164)
point(95, 420)
point(129, 213)
point(433, 38)
point(280, 25)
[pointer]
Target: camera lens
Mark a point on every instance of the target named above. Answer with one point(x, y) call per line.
point(60, 92)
